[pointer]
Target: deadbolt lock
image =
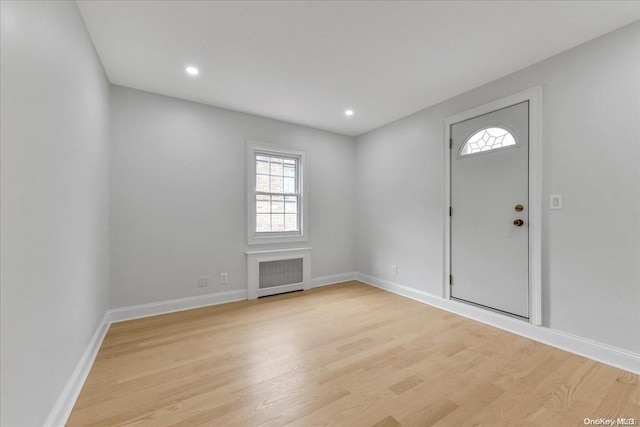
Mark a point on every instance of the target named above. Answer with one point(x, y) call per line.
point(518, 222)
point(519, 208)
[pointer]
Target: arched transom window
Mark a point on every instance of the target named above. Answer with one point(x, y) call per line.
point(487, 139)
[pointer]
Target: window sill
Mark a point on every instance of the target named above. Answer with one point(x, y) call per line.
point(261, 240)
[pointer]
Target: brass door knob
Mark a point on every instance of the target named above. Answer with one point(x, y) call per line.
point(518, 222)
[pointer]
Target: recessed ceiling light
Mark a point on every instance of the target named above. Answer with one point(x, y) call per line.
point(192, 71)
point(348, 113)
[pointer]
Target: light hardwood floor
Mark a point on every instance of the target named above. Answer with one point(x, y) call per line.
point(344, 355)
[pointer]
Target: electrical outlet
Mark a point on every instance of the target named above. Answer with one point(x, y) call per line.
point(224, 278)
point(394, 270)
point(203, 281)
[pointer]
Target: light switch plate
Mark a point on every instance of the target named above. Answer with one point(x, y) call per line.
point(555, 201)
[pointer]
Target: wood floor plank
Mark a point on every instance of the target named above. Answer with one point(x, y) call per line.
point(405, 384)
point(341, 355)
point(388, 422)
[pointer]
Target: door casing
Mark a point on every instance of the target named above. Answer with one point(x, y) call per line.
point(534, 96)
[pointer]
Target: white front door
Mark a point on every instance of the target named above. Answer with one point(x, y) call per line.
point(489, 215)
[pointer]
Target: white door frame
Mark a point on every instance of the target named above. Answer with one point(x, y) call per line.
point(534, 96)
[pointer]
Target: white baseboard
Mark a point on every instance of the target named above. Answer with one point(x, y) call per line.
point(606, 354)
point(62, 409)
point(316, 282)
point(163, 307)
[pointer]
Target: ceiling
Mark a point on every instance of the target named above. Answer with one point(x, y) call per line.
point(307, 62)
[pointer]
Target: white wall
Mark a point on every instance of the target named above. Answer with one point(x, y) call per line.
point(591, 154)
point(178, 190)
point(54, 241)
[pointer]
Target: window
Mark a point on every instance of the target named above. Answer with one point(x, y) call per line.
point(487, 139)
point(275, 194)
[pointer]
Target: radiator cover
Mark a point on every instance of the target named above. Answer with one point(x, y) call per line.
point(278, 271)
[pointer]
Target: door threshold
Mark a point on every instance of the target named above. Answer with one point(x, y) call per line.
point(495, 310)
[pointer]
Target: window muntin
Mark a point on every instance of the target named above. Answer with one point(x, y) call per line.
point(487, 139)
point(277, 192)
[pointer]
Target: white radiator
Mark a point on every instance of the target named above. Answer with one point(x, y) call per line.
point(278, 271)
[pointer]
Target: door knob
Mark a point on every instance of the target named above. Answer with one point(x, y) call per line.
point(518, 222)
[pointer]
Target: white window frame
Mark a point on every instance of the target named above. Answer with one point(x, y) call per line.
point(253, 237)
